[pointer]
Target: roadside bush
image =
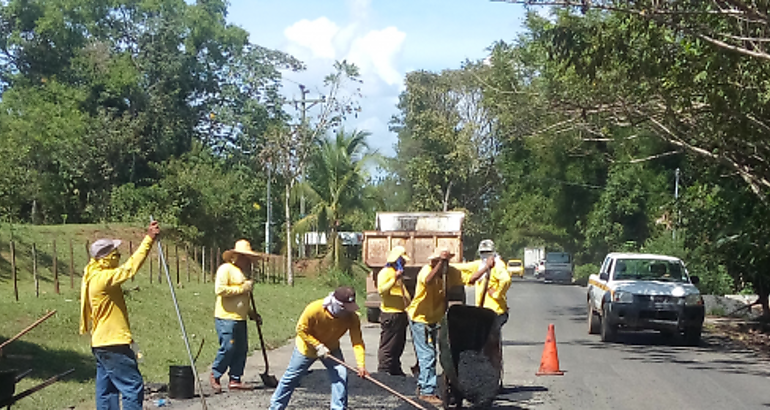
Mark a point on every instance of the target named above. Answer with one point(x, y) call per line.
point(582, 272)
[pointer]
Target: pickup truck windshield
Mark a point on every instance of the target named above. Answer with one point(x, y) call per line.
point(649, 269)
point(557, 257)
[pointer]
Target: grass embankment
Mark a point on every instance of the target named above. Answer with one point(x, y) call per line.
point(56, 346)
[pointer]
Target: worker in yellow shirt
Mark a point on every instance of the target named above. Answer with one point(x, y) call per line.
point(393, 319)
point(103, 311)
point(319, 330)
point(231, 311)
point(490, 271)
point(425, 312)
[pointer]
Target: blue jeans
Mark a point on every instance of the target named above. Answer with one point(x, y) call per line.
point(117, 374)
point(298, 365)
point(424, 337)
point(233, 348)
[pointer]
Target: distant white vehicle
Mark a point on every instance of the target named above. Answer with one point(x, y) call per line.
point(634, 291)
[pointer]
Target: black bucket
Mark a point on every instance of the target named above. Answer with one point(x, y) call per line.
point(181, 382)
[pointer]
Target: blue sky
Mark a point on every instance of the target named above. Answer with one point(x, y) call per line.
point(385, 38)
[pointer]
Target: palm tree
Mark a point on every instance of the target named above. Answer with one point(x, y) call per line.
point(335, 183)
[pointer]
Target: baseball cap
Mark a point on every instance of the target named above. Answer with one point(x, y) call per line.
point(347, 296)
point(103, 247)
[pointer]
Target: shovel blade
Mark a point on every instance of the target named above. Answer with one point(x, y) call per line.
point(269, 380)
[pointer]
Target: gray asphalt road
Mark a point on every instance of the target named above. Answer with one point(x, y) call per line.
point(641, 371)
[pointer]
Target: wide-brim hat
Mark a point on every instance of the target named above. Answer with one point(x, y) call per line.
point(397, 252)
point(103, 247)
point(242, 247)
point(437, 253)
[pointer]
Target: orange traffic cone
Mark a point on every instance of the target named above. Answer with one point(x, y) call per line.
point(549, 364)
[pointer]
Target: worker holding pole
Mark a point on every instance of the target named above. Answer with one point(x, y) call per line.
point(393, 319)
point(103, 312)
point(231, 311)
point(425, 312)
point(492, 280)
point(319, 329)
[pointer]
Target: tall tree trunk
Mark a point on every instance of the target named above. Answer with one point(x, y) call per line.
point(287, 208)
point(446, 195)
point(335, 250)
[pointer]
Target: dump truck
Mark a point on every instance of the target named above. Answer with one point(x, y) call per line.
point(420, 233)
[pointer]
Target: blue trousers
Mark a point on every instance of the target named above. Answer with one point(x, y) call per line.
point(233, 348)
point(298, 365)
point(117, 374)
point(424, 337)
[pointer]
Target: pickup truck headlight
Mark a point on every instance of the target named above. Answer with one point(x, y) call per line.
point(693, 300)
point(622, 297)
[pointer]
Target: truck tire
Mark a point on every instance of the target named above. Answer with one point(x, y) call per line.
point(594, 321)
point(692, 336)
point(373, 315)
point(609, 332)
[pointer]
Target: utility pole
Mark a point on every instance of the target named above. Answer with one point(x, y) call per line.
point(303, 107)
point(676, 202)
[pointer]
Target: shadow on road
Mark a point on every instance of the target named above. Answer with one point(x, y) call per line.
point(716, 353)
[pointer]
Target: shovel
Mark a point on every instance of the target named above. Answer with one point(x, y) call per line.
point(268, 379)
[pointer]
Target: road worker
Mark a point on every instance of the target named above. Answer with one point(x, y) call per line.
point(103, 311)
point(393, 318)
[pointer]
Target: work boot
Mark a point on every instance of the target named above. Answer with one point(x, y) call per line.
point(215, 384)
point(239, 385)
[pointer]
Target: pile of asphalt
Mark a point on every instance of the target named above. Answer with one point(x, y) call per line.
point(478, 380)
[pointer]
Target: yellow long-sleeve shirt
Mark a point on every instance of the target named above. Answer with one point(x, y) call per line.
point(390, 290)
point(499, 283)
point(429, 303)
point(317, 326)
point(103, 308)
point(232, 298)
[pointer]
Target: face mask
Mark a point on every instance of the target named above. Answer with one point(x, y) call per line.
point(333, 305)
point(111, 261)
point(400, 264)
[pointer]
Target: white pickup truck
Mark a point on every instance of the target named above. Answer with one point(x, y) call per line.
point(634, 291)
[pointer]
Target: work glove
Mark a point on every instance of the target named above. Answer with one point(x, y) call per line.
point(253, 315)
point(322, 351)
point(248, 285)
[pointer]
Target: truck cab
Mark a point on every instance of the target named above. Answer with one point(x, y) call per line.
point(634, 291)
point(557, 267)
point(420, 233)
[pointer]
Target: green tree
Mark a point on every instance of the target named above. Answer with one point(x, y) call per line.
point(336, 184)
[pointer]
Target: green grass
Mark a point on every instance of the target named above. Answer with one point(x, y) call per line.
point(55, 345)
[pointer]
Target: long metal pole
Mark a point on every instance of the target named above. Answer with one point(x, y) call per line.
point(181, 323)
point(269, 210)
point(676, 197)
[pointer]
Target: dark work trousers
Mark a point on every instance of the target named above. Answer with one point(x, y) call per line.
point(392, 342)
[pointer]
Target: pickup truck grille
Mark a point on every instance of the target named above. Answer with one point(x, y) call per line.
point(659, 315)
point(656, 299)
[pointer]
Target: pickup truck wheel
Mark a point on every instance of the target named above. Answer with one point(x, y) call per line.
point(373, 315)
point(608, 331)
point(593, 320)
point(692, 336)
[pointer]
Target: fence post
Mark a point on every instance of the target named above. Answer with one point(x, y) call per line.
point(176, 257)
point(149, 260)
point(55, 269)
point(187, 261)
point(160, 268)
point(34, 270)
point(72, 266)
point(13, 272)
point(203, 265)
point(211, 262)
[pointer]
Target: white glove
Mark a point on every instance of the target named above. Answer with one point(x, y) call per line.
point(321, 351)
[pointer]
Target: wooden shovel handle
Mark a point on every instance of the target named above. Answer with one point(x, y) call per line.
point(30, 327)
point(379, 383)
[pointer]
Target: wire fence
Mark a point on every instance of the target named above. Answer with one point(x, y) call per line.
point(55, 265)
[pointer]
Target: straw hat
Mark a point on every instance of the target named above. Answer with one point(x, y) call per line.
point(437, 253)
point(397, 252)
point(242, 247)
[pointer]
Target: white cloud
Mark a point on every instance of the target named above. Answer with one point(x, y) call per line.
point(317, 36)
point(377, 50)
